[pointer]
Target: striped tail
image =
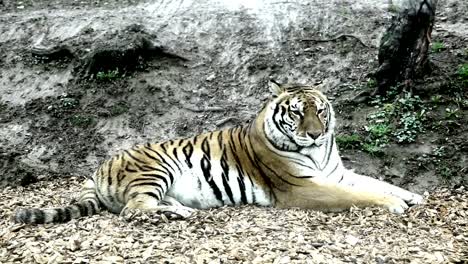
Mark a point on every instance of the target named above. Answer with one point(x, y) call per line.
point(87, 205)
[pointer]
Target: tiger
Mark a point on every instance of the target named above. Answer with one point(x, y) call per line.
point(286, 157)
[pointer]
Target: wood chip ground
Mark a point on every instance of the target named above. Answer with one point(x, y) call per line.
point(436, 232)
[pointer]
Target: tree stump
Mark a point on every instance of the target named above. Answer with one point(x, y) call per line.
point(403, 51)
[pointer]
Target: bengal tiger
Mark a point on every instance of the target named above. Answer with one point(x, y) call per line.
point(286, 157)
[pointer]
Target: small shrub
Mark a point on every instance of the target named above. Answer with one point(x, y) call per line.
point(118, 109)
point(436, 99)
point(69, 103)
point(438, 151)
point(393, 8)
point(452, 113)
point(81, 121)
point(108, 76)
point(348, 141)
point(445, 172)
point(409, 103)
point(409, 127)
point(463, 73)
point(373, 148)
point(379, 130)
point(400, 121)
point(371, 83)
point(392, 92)
point(409, 115)
point(437, 47)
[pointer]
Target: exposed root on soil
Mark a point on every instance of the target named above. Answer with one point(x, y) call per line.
point(128, 57)
point(203, 109)
point(53, 53)
point(227, 120)
point(339, 37)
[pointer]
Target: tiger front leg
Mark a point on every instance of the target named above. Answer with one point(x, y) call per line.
point(353, 179)
point(148, 208)
point(325, 196)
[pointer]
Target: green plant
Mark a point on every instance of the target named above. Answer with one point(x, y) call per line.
point(348, 141)
point(436, 99)
point(437, 47)
point(379, 130)
point(409, 127)
point(81, 121)
point(119, 108)
point(452, 114)
point(108, 75)
point(373, 148)
point(69, 103)
point(444, 171)
point(393, 8)
point(409, 114)
point(371, 83)
point(377, 100)
point(409, 102)
point(377, 138)
point(400, 121)
point(392, 92)
point(378, 117)
point(438, 151)
point(463, 73)
point(461, 102)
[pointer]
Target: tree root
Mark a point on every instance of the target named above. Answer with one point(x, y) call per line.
point(342, 36)
point(204, 109)
point(53, 53)
point(226, 120)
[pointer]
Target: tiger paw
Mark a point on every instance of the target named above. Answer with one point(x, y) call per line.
point(133, 214)
point(176, 212)
point(395, 205)
point(143, 216)
point(415, 199)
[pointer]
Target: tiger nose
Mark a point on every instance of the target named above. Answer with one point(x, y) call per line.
point(314, 135)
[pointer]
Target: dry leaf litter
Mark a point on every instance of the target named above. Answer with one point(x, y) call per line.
point(435, 232)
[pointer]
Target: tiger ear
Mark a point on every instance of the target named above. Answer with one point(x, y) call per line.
point(275, 87)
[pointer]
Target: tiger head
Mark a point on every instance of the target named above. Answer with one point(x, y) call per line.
point(298, 117)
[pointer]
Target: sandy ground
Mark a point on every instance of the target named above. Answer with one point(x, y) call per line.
point(435, 232)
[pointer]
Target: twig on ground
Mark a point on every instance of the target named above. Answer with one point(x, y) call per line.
point(204, 109)
point(53, 52)
point(226, 120)
point(342, 36)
